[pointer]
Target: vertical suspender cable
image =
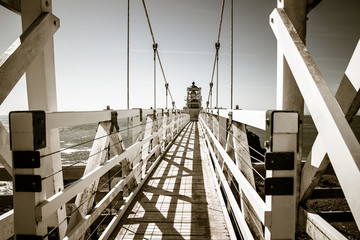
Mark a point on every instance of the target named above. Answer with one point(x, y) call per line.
point(128, 56)
point(217, 44)
point(157, 52)
point(167, 93)
point(232, 54)
point(128, 65)
point(155, 49)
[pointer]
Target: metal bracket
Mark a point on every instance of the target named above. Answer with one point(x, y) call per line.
point(114, 122)
point(26, 159)
point(27, 183)
point(279, 186)
point(279, 160)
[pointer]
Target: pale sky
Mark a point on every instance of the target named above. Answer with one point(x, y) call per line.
point(90, 50)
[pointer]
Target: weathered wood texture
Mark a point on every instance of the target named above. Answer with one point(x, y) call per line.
point(16, 60)
point(12, 5)
point(348, 97)
point(5, 154)
point(335, 133)
point(178, 201)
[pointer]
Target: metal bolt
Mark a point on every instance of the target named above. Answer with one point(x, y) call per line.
point(272, 20)
point(267, 122)
point(47, 3)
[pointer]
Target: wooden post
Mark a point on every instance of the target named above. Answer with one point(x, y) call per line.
point(280, 182)
point(41, 91)
point(28, 140)
point(136, 127)
point(222, 131)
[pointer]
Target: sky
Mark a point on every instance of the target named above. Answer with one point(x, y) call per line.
point(90, 51)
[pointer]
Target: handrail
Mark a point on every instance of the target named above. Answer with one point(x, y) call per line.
point(260, 207)
point(252, 118)
point(168, 121)
point(67, 119)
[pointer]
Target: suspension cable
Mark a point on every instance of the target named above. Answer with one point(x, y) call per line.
point(216, 53)
point(128, 56)
point(232, 55)
point(155, 45)
point(157, 52)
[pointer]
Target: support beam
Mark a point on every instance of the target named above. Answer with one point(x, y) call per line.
point(84, 200)
point(348, 97)
point(5, 154)
point(316, 227)
point(336, 135)
point(311, 4)
point(12, 5)
point(19, 56)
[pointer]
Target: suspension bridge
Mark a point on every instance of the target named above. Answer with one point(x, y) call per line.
point(192, 173)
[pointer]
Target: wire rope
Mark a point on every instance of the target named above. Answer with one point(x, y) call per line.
point(157, 52)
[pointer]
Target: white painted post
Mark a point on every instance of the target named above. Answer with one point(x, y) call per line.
point(289, 97)
point(280, 183)
point(41, 91)
point(136, 127)
point(28, 140)
point(222, 131)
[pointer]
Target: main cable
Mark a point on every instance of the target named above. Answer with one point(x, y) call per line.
point(217, 46)
point(157, 52)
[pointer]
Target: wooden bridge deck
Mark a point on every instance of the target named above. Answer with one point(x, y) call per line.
point(179, 200)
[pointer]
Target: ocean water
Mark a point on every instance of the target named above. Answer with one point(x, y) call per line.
point(76, 141)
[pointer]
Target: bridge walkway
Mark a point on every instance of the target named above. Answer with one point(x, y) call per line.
point(179, 200)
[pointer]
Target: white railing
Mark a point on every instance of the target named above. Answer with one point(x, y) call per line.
point(149, 141)
point(226, 137)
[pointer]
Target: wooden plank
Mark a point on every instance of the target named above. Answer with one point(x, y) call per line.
point(348, 93)
point(332, 192)
point(316, 227)
point(12, 5)
point(16, 60)
point(239, 216)
point(5, 154)
point(7, 225)
point(335, 133)
point(337, 216)
point(79, 230)
point(66, 119)
point(252, 118)
point(110, 228)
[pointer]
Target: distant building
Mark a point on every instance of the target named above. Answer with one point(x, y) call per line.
point(193, 101)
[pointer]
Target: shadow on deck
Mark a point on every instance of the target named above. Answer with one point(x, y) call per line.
point(179, 200)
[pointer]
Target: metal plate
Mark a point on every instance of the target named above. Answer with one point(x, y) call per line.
point(279, 186)
point(39, 129)
point(279, 160)
point(27, 183)
point(26, 159)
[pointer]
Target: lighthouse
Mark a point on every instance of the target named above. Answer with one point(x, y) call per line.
point(193, 100)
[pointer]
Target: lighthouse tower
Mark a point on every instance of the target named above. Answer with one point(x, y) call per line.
point(193, 100)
